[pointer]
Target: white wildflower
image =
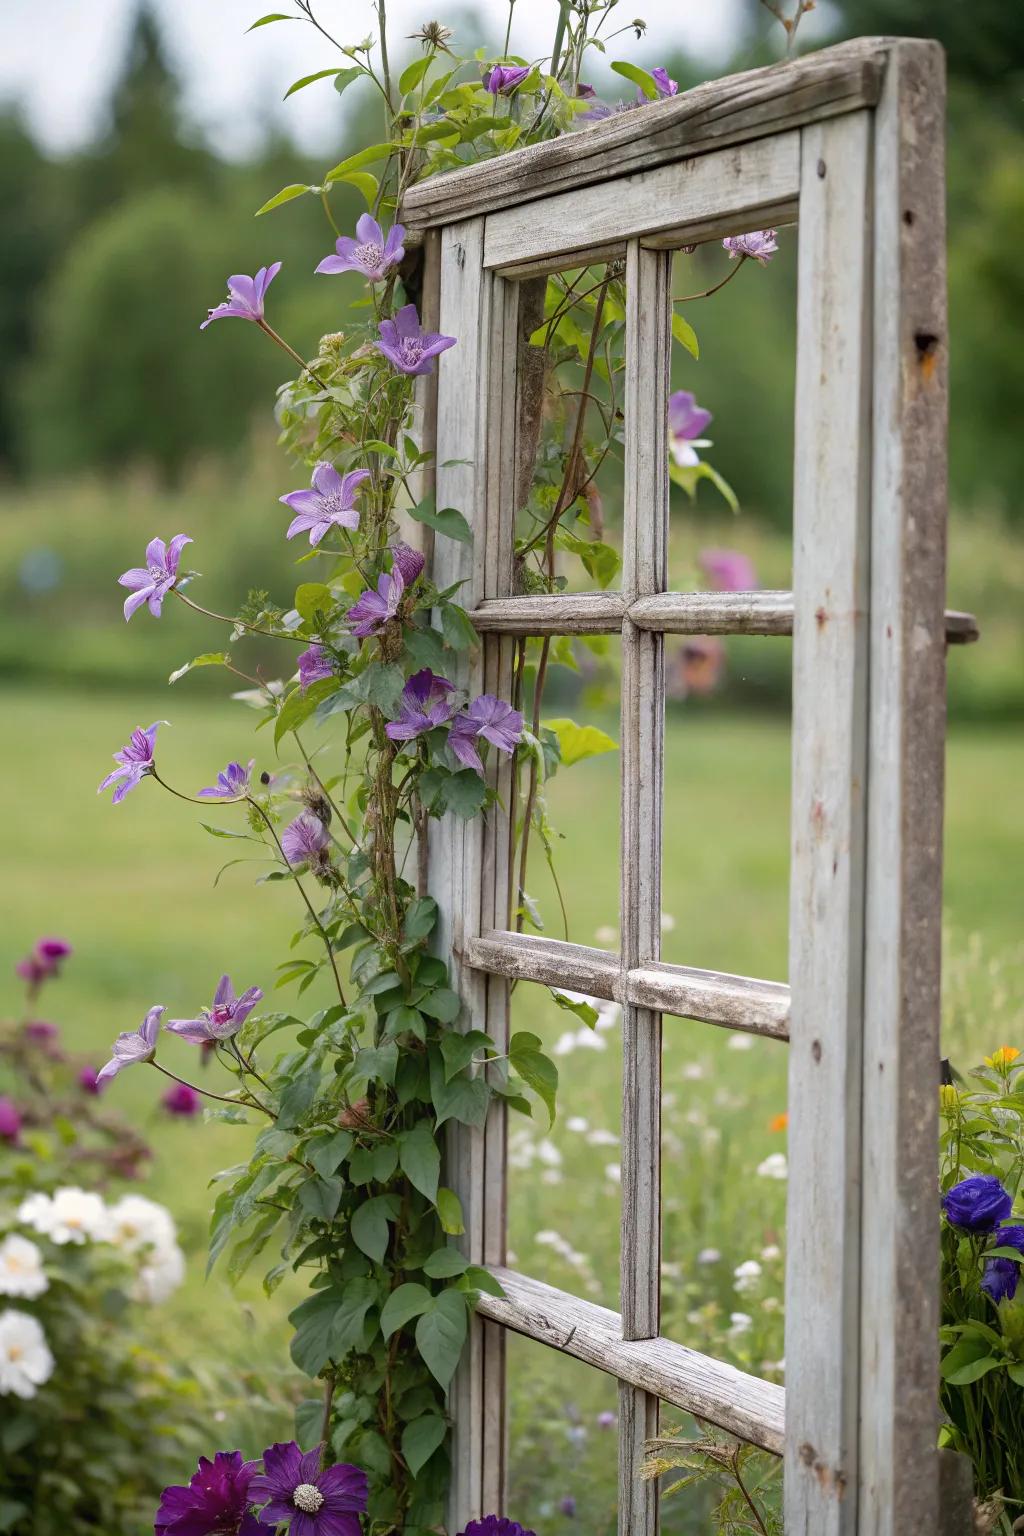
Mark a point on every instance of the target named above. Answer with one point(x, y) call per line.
point(609, 1014)
point(161, 1274)
point(606, 935)
point(578, 1124)
point(565, 1044)
point(71, 1215)
point(549, 1154)
point(25, 1358)
point(741, 1043)
point(601, 1138)
point(739, 1322)
point(746, 1275)
point(774, 1166)
point(693, 1071)
point(770, 1304)
point(668, 922)
point(708, 1256)
point(771, 1253)
point(21, 1267)
point(613, 1171)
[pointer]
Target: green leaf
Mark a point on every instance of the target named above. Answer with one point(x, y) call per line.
point(224, 832)
point(445, 1264)
point(420, 1439)
point(11, 1511)
point(972, 1371)
point(300, 705)
point(599, 560)
point(404, 1303)
point(413, 73)
point(448, 521)
point(1016, 1374)
point(640, 77)
point(442, 1004)
point(313, 1321)
point(377, 1062)
point(578, 742)
point(536, 1069)
point(369, 1225)
point(583, 1011)
point(296, 1099)
point(367, 156)
point(482, 1280)
point(343, 79)
point(265, 21)
point(457, 628)
point(1005, 1253)
point(441, 1333)
point(321, 74)
point(449, 1209)
point(364, 183)
point(286, 194)
point(327, 1153)
point(420, 919)
point(313, 599)
point(420, 1158)
point(458, 1050)
point(208, 659)
point(320, 1197)
point(357, 1297)
point(464, 793)
point(464, 1098)
point(684, 333)
point(972, 1347)
point(688, 477)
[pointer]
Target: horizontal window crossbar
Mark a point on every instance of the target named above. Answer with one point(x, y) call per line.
point(712, 997)
point(739, 1403)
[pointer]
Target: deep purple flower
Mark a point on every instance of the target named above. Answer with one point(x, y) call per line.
point(491, 718)
point(304, 839)
point(728, 570)
point(182, 1100)
point(224, 1017)
point(977, 1204)
point(310, 1501)
point(371, 254)
point(152, 582)
point(232, 783)
point(495, 1525)
point(10, 1121)
point(44, 961)
point(600, 110)
point(42, 1032)
point(503, 79)
point(761, 244)
point(567, 1505)
point(133, 1046)
point(369, 614)
point(89, 1081)
point(314, 665)
point(136, 761)
point(585, 92)
point(1001, 1275)
point(686, 423)
point(217, 1501)
point(247, 295)
point(407, 346)
point(329, 502)
point(424, 705)
point(406, 562)
point(666, 85)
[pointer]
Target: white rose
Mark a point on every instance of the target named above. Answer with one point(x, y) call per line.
point(161, 1274)
point(71, 1215)
point(21, 1267)
point(25, 1358)
point(136, 1223)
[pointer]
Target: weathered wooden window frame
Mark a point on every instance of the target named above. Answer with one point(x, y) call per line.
point(852, 140)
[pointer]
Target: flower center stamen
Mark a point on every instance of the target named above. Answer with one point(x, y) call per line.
point(307, 1498)
point(370, 255)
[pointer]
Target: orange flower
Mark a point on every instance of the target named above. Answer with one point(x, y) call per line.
point(779, 1122)
point(1003, 1057)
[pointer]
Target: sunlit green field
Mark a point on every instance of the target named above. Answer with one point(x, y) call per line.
point(132, 889)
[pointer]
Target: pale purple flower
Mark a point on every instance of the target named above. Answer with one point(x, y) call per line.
point(232, 782)
point(135, 760)
point(314, 665)
point(304, 838)
point(224, 1017)
point(43, 963)
point(373, 610)
point(182, 1100)
point(10, 1121)
point(424, 705)
point(761, 244)
point(407, 346)
point(600, 110)
point(152, 582)
point(728, 570)
point(491, 718)
point(247, 295)
point(503, 79)
point(666, 85)
point(309, 1500)
point(133, 1046)
point(370, 253)
point(329, 502)
point(406, 562)
point(606, 1419)
point(686, 423)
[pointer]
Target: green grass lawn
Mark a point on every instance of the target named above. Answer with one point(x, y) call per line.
point(132, 889)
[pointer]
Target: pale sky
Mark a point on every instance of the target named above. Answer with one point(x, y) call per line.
point(57, 56)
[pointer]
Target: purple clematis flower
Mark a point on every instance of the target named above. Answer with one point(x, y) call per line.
point(304, 839)
point(182, 1101)
point(247, 295)
point(314, 665)
point(43, 963)
point(329, 502)
point(424, 705)
point(89, 1082)
point(977, 1204)
point(601, 109)
point(495, 1525)
point(406, 562)
point(133, 1046)
point(503, 79)
point(369, 614)
point(370, 253)
point(224, 1017)
point(10, 1121)
point(309, 1501)
point(217, 1501)
point(686, 423)
point(728, 570)
point(135, 760)
point(42, 1032)
point(407, 346)
point(491, 718)
point(761, 244)
point(662, 79)
point(152, 582)
point(232, 783)
point(1002, 1275)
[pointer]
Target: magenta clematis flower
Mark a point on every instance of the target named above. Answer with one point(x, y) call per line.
point(43, 963)
point(314, 665)
point(424, 705)
point(407, 346)
point(10, 1121)
point(369, 614)
point(42, 1032)
point(406, 562)
point(329, 502)
point(304, 839)
point(728, 570)
point(132, 1046)
point(232, 782)
point(182, 1100)
point(686, 423)
point(224, 1017)
point(309, 1501)
point(89, 1082)
point(217, 1500)
point(503, 79)
point(370, 253)
point(761, 244)
point(247, 295)
point(491, 718)
point(495, 1525)
point(136, 761)
point(699, 667)
point(152, 582)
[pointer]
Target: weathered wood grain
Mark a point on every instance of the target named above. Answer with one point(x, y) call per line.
point(734, 110)
point(742, 1404)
